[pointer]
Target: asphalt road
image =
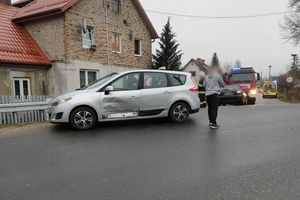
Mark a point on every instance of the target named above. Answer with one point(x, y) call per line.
point(255, 155)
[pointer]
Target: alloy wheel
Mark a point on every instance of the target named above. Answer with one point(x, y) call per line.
point(180, 112)
point(83, 119)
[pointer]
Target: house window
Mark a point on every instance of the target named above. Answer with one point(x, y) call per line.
point(116, 6)
point(87, 77)
point(21, 88)
point(88, 38)
point(116, 43)
point(193, 73)
point(137, 47)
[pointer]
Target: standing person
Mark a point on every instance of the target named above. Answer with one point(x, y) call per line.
point(202, 92)
point(213, 82)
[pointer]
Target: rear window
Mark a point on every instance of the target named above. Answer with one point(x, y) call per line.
point(177, 79)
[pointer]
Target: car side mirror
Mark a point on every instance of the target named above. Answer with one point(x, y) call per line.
point(225, 78)
point(258, 76)
point(108, 89)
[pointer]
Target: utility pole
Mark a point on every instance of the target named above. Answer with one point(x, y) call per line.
point(294, 69)
point(270, 75)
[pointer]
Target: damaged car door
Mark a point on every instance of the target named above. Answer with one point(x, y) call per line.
point(121, 98)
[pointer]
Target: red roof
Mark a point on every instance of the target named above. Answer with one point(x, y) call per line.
point(16, 44)
point(43, 8)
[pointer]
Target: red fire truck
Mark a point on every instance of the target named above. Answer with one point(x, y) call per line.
point(246, 78)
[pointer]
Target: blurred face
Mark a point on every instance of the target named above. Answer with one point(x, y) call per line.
point(215, 69)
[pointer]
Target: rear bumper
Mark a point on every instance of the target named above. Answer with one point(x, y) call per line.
point(195, 111)
point(270, 94)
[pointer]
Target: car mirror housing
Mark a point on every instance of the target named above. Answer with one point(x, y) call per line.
point(108, 89)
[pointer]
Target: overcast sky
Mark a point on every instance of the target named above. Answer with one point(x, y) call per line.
point(256, 42)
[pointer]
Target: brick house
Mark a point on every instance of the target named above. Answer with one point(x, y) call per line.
point(23, 64)
point(197, 68)
point(87, 39)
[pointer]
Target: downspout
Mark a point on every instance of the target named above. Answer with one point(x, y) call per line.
point(107, 33)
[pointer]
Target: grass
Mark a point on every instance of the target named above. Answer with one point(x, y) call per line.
point(283, 97)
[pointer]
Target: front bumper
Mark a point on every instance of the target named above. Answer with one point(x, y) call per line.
point(59, 114)
point(230, 99)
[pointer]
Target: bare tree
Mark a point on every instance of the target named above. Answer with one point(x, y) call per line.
point(238, 63)
point(291, 25)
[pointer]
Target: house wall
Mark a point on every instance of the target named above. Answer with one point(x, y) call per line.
point(38, 79)
point(49, 34)
point(61, 39)
point(192, 67)
point(94, 12)
point(64, 77)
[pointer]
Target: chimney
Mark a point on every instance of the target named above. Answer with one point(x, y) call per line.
point(5, 2)
point(201, 60)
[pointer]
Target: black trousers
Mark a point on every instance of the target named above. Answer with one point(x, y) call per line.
point(202, 100)
point(213, 105)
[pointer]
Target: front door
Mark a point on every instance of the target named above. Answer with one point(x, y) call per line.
point(123, 101)
point(22, 88)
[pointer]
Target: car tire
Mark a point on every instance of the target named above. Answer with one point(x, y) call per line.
point(179, 112)
point(83, 118)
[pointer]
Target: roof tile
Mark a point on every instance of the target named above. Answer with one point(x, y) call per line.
point(16, 44)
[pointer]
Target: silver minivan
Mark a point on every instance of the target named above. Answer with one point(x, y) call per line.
point(135, 94)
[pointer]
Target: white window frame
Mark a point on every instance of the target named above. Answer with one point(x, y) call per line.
point(91, 40)
point(22, 96)
point(86, 71)
point(140, 47)
point(120, 43)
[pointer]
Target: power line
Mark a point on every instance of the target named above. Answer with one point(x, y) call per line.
point(221, 17)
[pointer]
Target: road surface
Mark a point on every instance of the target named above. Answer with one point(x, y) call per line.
point(255, 155)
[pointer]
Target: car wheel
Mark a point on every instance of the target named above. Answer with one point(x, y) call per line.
point(179, 112)
point(83, 118)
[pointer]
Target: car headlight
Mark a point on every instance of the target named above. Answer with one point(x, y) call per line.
point(253, 92)
point(61, 100)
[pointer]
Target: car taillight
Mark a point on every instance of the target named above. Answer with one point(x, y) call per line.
point(194, 89)
point(239, 92)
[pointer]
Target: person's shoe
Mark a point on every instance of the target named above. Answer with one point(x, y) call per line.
point(214, 126)
point(210, 124)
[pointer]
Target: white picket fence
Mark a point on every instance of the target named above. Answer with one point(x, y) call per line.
point(15, 110)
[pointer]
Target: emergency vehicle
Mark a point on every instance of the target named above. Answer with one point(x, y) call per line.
point(246, 78)
point(270, 89)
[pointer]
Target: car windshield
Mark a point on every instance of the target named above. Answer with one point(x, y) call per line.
point(240, 78)
point(231, 87)
point(100, 82)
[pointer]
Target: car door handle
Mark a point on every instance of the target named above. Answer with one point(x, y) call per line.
point(133, 97)
point(167, 92)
